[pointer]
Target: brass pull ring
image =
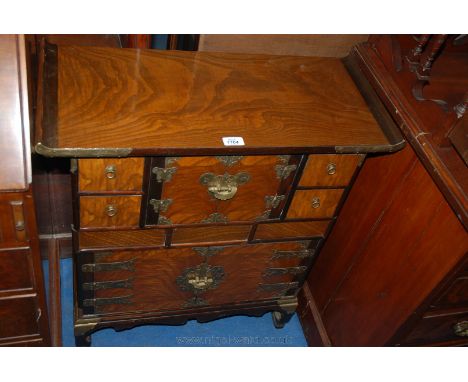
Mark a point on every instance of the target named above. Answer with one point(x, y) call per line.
point(315, 202)
point(111, 210)
point(223, 187)
point(110, 171)
point(331, 169)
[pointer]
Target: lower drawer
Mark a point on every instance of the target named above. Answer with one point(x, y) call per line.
point(435, 330)
point(18, 317)
point(178, 278)
point(15, 270)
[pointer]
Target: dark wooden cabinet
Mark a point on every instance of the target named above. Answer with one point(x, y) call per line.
point(23, 311)
point(172, 222)
point(399, 276)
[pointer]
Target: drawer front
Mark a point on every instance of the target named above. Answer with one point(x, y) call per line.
point(13, 230)
point(122, 238)
point(329, 170)
point(278, 231)
point(15, 270)
point(220, 234)
point(18, 317)
point(218, 189)
point(439, 329)
point(314, 204)
point(187, 277)
point(110, 174)
point(109, 211)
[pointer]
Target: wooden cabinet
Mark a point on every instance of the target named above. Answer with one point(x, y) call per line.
point(23, 311)
point(394, 269)
point(204, 184)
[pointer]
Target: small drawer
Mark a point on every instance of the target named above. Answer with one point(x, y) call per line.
point(213, 234)
point(122, 238)
point(314, 204)
point(19, 317)
point(439, 329)
point(110, 174)
point(278, 231)
point(329, 170)
point(109, 211)
point(15, 267)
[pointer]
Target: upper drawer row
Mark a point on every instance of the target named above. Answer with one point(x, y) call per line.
point(112, 174)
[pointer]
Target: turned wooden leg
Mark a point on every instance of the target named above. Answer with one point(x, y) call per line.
point(281, 318)
point(84, 340)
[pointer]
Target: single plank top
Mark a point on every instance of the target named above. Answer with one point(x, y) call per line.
point(15, 171)
point(172, 101)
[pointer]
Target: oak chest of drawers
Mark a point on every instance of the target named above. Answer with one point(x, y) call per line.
point(204, 183)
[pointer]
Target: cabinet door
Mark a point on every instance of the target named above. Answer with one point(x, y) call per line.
point(188, 277)
point(218, 189)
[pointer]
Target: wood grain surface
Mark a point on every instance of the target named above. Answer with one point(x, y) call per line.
point(19, 279)
point(318, 45)
point(369, 280)
point(301, 205)
point(115, 239)
point(156, 272)
point(147, 99)
point(316, 174)
point(93, 211)
point(275, 231)
point(192, 202)
point(12, 205)
point(93, 175)
point(15, 172)
point(210, 234)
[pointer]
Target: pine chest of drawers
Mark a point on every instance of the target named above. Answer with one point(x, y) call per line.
point(204, 183)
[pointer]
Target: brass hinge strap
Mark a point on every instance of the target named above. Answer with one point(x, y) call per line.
point(273, 201)
point(103, 267)
point(284, 271)
point(303, 253)
point(164, 174)
point(99, 285)
point(160, 205)
point(284, 170)
point(93, 302)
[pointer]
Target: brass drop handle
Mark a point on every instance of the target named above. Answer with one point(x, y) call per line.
point(111, 210)
point(460, 329)
point(110, 171)
point(223, 187)
point(315, 202)
point(331, 169)
point(19, 226)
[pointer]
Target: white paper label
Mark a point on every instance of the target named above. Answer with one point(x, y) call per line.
point(233, 141)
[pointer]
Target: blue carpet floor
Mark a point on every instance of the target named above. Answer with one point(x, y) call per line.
point(231, 331)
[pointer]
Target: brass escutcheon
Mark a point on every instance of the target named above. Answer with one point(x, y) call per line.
point(331, 168)
point(223, 187)
point(315, 202)
point(111, 210)
point(110, 171)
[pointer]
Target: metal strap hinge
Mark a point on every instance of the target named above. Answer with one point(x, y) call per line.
point(103, 267)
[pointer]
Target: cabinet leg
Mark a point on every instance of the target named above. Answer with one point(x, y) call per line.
point(84, 340)
point(281, 318)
